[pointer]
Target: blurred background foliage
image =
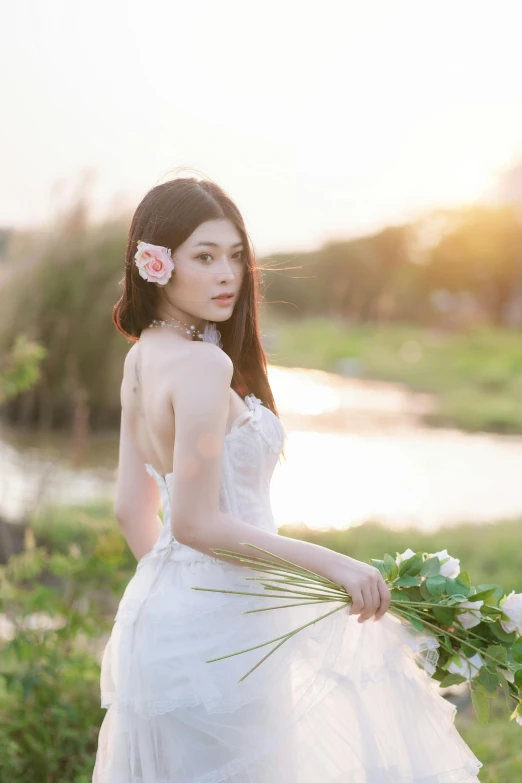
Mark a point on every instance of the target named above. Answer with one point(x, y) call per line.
point(453, 279)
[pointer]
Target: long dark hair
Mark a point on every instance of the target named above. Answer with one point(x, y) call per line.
point(167, 215)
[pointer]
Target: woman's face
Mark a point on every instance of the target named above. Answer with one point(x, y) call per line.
point(210, 262)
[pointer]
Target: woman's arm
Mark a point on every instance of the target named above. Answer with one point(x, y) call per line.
point(201, 406)
point(200, 399)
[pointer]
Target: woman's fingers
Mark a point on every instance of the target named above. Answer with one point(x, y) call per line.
point(372, 598)
point(369, 603)
point(357, 604)
point(385, 599)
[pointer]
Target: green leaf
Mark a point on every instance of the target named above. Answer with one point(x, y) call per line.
point(453, 599)
point(412, 565)
point(480, 705)
point(430, 567)
point(464, 580)
point(498, 652)
point(516, 650)
point(391, 566)
point(436, 584)
point(456, 589)
point(489, 610)
point(498, 593)
point(498, 631)
point(444, 615)
point(469, 652)
point(416, 623)
point(455, 658)
point(488, 679)
point(518, 678)
point(412, 594)
point(425, 592)
point(483, 594)
point(452, 679)
point(399, 595)
point(505, 687)
point(406, 581)
point(380, 565)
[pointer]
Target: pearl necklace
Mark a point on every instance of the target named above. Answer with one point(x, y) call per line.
point(210, 334)
point(191, 330)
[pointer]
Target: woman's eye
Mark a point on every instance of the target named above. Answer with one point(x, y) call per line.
point(239, 255)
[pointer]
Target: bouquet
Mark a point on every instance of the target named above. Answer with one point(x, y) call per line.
point(478, 628)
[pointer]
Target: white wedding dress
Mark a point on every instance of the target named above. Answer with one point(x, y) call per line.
point(340, 702)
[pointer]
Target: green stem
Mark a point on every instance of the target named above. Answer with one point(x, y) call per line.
point(279, 570)
point(299, 583)
point(284, 606)
point(291, 566)
point(236, 592)
point(305, 596)
point(340, 596)
point(284, 640)
point(284, 636)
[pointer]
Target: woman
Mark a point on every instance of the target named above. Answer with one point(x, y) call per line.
point(343, 700)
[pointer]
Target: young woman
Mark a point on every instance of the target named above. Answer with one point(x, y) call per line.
point(343, 700)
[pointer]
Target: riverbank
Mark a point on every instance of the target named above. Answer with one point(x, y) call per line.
point(476, 376)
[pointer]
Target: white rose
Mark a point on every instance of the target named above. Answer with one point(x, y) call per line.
point(451, 567)
point(519, 720)
point(512, 607)
point(405, 555)
point(467, 667)
point(473, 618)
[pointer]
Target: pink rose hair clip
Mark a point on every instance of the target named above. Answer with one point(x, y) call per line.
point(154, 262)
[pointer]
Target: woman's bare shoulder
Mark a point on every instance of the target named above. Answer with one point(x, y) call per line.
point(187, 362)
point(203, 363)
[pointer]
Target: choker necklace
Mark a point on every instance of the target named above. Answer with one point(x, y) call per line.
point(209, 334)
point(184, 327)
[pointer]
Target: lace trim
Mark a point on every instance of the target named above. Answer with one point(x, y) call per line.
point(256, 420)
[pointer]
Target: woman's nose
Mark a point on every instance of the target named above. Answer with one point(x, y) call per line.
point(227, 269)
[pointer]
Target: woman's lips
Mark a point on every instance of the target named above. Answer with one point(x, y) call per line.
point(224, 301)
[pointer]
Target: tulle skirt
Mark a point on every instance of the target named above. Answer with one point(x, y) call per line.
point(340, 702)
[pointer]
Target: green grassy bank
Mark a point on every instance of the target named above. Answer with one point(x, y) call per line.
point(476, 375)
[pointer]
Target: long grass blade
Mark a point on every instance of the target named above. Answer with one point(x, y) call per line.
point(284, 606)
point(291, 566)
point(286, 639)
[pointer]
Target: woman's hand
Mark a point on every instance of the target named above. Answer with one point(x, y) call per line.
point(369, 592)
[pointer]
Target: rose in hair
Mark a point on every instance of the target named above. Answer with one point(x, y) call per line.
point(154, 262)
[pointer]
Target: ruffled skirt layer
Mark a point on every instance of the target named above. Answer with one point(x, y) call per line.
point(340, 702)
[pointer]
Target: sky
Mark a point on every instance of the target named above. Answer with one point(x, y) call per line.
point(322, 119)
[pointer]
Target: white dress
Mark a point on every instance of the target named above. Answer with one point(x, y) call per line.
point(341, 702)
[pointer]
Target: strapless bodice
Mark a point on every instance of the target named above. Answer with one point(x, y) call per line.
point(250, 453)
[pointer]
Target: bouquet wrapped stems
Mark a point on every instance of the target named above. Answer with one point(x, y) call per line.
point(429, 592)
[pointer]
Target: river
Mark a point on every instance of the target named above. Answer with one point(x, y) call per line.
point(356, 451)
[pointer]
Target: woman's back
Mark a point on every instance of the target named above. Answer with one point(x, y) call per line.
point(152, 367)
